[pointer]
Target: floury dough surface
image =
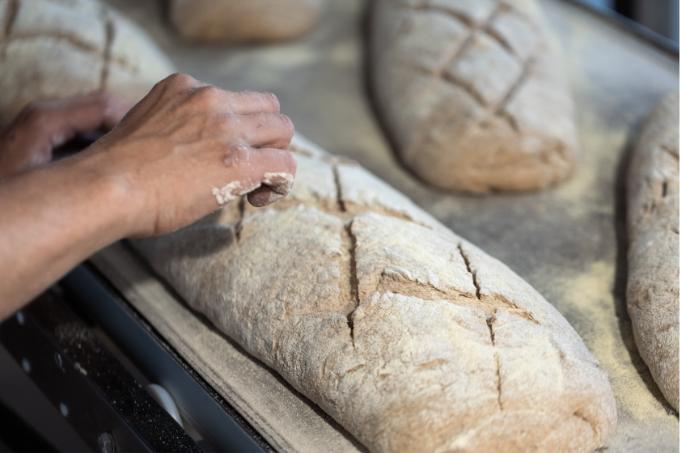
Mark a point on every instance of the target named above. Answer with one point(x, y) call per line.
point(58, 48)
point(653, 291)
point(407, 335)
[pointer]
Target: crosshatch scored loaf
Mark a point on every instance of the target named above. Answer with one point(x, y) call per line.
point(409, 336)
point(58, 48)
point(472, 92)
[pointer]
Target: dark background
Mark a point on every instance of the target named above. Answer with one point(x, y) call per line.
point(660, 16)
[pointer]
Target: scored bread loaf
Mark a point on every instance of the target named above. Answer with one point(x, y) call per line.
point(472, 93)
point(652, 294)
point(223, 21)
point(58, 48)
point(409, 336)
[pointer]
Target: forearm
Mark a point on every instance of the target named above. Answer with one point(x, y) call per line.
point(53, 218)
point(156, 171)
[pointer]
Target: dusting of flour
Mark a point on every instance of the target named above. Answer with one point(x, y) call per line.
point(227, 193)
point(280, 182)
point(609, 338)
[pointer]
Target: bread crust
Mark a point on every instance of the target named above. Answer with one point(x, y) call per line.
point(652, 293)
point(409, 336)
point(226, 21)
point(472, 93)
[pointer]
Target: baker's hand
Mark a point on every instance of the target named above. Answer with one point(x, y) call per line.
point(187, 148)
point(42, 126)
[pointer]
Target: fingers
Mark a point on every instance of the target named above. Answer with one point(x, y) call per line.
point(208, 97)
point(174, 83)
point(248, 102)
point(267, 130)
point(272, 167)
point(59, 120)
point(81, 114)
point(265, 174)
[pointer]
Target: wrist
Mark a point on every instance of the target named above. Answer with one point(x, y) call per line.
point(113, 190)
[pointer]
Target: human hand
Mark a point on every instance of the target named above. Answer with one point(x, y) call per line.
point(187, 148)
point(40, 127)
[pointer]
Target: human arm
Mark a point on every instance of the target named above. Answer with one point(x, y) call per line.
point(154, 173)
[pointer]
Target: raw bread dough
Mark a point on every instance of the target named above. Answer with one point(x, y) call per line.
point(472, 93)
point(409, 336)
point(653, 269)
point(219, 21)
point(58, 48)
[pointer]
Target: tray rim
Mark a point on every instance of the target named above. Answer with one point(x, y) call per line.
point(649, 36)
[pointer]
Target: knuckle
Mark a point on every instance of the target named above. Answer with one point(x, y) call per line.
point(272, 99)
point(180, 80)
point(207, 96)
point(210, 91)
point(236, 153)
point(238, 150)
point(225, 122)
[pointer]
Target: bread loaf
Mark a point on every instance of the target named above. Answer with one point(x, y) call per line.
point(409, 336)
point(472, 93)
point(652, 295)
point(222, 21)
point(57, 48)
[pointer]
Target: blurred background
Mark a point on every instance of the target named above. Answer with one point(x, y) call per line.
point(660, 16)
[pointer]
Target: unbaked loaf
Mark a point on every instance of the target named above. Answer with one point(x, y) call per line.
point(472, 93)
point(57, 48)
point(409, 336)
point(224, 21)
point(652, 295)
